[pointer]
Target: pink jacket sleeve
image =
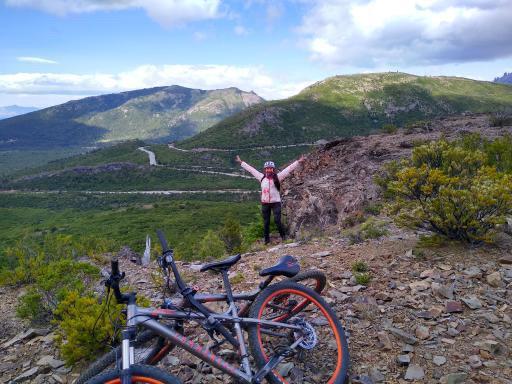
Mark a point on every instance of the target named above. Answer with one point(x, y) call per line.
point(258, 175)
point(289, 169)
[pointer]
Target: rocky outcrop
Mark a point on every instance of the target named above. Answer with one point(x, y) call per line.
point(338, 179)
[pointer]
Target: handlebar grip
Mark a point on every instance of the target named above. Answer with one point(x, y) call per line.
point(115, 267)
point(163, 241)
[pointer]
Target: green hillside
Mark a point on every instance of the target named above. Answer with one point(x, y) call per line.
point(155, 114)
point(343, 106)
point(123, 167)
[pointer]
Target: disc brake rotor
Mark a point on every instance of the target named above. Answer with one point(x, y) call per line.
point(307, 333)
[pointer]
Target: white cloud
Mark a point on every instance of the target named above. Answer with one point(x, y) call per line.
point(240, 30)
point(199, 36)
point(145, 76)
point(373, 33)
point(37, 60)
point(166, 12)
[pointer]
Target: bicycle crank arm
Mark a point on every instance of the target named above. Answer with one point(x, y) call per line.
point(274, 361)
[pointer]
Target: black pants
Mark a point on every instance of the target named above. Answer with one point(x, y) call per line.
point(265, 211)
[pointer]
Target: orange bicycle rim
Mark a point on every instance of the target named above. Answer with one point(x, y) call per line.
point(331, 322)
point(142, 379)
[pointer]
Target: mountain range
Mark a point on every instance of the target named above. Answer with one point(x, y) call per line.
point(505, 79)
point(14, 110)
point(156, 114)
point(339, 106)
point(343, 106)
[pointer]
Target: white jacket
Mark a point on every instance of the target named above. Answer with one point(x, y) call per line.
point(269, 192)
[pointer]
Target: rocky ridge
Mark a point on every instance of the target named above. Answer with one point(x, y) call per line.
point(338, 179)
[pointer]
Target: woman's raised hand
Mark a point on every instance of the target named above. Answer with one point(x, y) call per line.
point(301, 158)
point(238, 159)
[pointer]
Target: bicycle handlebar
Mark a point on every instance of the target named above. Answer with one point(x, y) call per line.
point(113, 282)
point(115, 267)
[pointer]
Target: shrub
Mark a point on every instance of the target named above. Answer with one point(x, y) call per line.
point(84, 327)
point(352, 219)
point(373, 208)
point(52, 282)
point(370, 229)
point(501, 119)
point(238, 278)
point(432, 241)
point(363, 278)
point(373, 229)
point(211, 246)
point(31, 254)
point(389, 128)
point(231, 235)
point(449, 190)
point(359, 266)
point(29, 306)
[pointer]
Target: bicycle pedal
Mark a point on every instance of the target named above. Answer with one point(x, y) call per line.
point(286, 352)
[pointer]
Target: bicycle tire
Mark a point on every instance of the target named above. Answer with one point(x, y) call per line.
point(112, 356)
point(312, 274)
point(140, 374)
point(255, 334)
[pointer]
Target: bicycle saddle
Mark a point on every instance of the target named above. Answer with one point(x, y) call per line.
point(218, 266)
point(287, 266)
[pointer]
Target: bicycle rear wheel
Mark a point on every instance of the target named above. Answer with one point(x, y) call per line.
point(313, 279)
point(142, 374)
point(322, 353)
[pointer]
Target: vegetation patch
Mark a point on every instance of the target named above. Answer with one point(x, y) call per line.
point(461, 190)
point(370, 229)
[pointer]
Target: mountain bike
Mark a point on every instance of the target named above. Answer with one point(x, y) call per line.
point(292, 333)
point(151, 348)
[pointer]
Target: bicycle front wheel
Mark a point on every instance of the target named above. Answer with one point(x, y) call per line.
point(321, 352)
point(143, 374)
point(150, 348)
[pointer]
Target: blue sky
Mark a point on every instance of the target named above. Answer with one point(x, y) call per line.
point(52, 51)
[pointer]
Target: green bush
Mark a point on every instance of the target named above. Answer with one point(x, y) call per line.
point(373, 229)
point(373, 208)
point(363, 278)
point(32, 253)
point(231, 235)
point(29, 306)
point(84, 329)
point(211, 246)
point(448, 189)
point(370, 229)
point(52, 282)
point(359, 266)
point(389, 128)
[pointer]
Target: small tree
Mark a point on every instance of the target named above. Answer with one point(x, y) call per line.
point(231, 234)
point(211, 246)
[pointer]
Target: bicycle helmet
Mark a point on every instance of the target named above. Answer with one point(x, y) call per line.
point(269, 164)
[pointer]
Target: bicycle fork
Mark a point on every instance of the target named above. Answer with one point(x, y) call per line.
point(128, 355)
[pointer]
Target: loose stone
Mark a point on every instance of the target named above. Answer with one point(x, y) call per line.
point(414, 372)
